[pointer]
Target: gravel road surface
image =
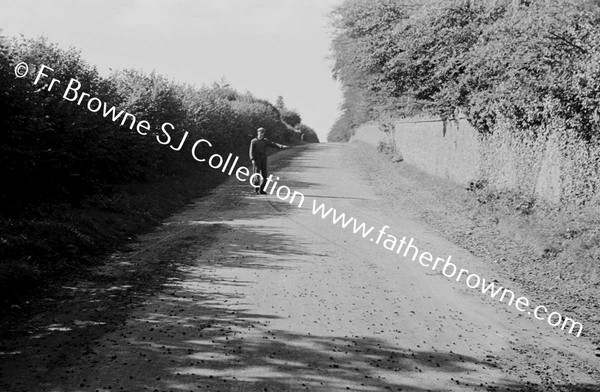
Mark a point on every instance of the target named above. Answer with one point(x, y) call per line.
point(241, 292)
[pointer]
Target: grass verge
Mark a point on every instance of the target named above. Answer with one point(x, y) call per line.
point(55, 242)
point(552, 254)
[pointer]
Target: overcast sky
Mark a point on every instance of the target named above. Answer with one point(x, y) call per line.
point(267, 47)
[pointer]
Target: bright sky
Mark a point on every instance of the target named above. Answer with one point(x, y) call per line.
point(267, 47)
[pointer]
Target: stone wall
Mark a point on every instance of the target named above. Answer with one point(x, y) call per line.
point(445, 149)
point(454, 150)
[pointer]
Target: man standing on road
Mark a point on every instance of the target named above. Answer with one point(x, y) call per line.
point(258, 155)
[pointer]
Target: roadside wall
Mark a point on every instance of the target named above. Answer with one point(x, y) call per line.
point(454, 150)
point(444, 149)
point(530, 167)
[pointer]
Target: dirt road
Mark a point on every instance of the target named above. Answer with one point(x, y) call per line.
point(249, 293)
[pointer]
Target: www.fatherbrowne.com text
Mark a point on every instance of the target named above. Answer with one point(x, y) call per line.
point(408, 249)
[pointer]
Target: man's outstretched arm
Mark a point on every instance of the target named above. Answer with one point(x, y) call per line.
point(277, 145)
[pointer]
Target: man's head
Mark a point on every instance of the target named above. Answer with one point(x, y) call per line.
point(260, 133)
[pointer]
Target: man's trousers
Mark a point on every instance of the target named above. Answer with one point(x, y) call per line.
point(260, 166)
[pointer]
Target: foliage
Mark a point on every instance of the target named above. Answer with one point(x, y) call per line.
point(47, 141)
point(290, 117)
point(307, 133)
point(75, 184)
point(279, 104)
point(293, 120)
point(361, 45)
point(58, 150)
point(531, 66)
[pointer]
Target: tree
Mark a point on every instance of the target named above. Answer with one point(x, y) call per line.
point(291, 117)
point(279, 102)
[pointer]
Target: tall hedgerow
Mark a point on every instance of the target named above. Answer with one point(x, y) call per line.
point(76, 184)
point(529, 64)
point(56, 150)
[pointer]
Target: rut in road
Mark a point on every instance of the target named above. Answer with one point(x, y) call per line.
point(265, 296)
